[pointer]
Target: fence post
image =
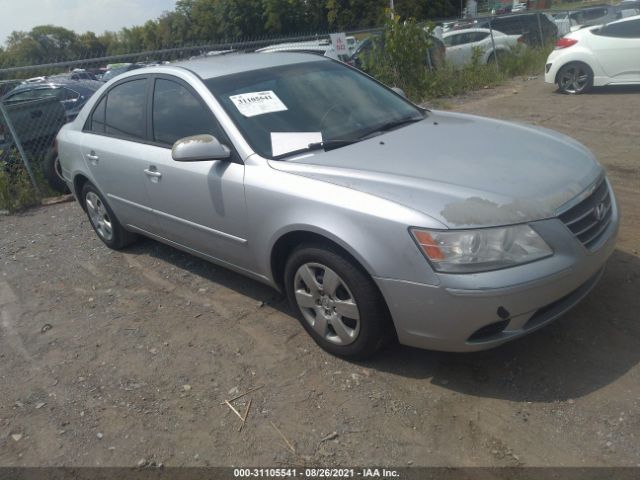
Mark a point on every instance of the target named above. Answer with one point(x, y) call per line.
point(493, 46)
point(16, 140)
point(539, 29)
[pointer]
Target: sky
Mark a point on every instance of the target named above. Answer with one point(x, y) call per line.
point(78, 15)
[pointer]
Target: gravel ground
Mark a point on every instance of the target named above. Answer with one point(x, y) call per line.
point(124, 358)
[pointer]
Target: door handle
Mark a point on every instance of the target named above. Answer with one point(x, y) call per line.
point(93, 157)
point(152, 173)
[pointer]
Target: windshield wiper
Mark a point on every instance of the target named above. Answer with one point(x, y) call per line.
point(341, 142)
point(385, 127)
point(329, 144)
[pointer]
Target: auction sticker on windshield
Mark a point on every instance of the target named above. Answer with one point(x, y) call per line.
point(257, 103)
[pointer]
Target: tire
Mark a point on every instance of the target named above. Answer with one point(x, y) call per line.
point(52, 171)
point(103, 220)
point(575, 78)
point(499, 56)
point(327, 306)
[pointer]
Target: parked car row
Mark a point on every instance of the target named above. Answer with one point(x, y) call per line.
point(536, 29)
point(37, 109)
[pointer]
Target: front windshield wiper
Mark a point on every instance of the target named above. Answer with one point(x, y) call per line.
point(341, 142)
point(330, 144)
point(385, 127)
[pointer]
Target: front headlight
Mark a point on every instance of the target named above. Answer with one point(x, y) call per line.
point(467, 251)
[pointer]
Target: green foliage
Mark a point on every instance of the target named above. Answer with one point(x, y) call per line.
point(206, 21)
point(16, 191)
point(399, 56)
point(398, 59)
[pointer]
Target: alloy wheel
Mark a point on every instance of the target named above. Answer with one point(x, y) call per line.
point(326, 303)
point(99, 216)
point(574, 79)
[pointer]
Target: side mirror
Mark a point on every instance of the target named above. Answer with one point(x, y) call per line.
point(199, 148)
point(399, 91)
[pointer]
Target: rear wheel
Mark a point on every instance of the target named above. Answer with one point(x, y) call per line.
point(103, 221)
point(53, 171)
point(575, 78)
point(339, 305)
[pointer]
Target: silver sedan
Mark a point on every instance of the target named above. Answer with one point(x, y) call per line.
point(378, 218)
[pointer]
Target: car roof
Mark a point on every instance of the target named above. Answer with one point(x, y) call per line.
point(218, 66)
point(53, 82)
point(626, 19)
point(469, 30)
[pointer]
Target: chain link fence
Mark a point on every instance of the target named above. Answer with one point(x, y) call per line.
point(37, 100)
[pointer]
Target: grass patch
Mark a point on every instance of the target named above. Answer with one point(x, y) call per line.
point(448, 81)
point(16, 191)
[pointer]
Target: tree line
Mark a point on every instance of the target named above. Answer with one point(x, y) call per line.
point(195, 22)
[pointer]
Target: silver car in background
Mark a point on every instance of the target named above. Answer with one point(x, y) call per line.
point(379, 219)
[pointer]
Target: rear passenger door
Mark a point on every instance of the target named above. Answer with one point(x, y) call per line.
point(114, 149)
point(454, 52)
point(199, 205)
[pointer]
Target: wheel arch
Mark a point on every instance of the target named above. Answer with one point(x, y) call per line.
point(569, 62)
point(287, 241)
point(79, 181)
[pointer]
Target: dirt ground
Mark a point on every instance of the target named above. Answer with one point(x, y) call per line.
point(116, 358)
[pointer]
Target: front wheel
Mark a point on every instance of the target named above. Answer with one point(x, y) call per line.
point(339, 305)
point(103, 220)
point(575, 78)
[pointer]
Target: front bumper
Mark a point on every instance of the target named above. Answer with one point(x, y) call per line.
point(551, 67)
point(479, 311)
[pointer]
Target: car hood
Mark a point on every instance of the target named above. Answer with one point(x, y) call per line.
point(462, 170)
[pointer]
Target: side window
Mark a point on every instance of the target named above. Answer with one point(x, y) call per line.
point(96, 122)
point(629, 29)
point(455, 39)
point(125, 112)
point(22, 96)
point(593, 14)
point(68, 94)
point(177, 113)
point(47, 92)
point(479, 36)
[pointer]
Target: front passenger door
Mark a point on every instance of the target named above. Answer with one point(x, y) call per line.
point(199, 205)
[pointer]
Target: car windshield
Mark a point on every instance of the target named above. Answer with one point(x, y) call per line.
point(290, 108)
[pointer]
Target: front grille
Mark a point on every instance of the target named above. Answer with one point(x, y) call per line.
point(589, 219)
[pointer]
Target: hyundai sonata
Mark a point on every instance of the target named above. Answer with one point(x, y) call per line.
point(378, 218)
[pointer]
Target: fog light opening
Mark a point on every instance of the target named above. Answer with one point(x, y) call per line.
point(488, 331)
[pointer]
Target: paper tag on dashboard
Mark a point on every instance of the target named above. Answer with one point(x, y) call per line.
point(257, 103)
point(285, 142)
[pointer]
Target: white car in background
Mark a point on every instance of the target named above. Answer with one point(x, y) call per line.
point(596, 56)
point(316, 47)
point(460, 45)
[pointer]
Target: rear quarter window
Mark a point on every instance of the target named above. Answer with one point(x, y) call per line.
point(126, 110)
point(629, 29)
